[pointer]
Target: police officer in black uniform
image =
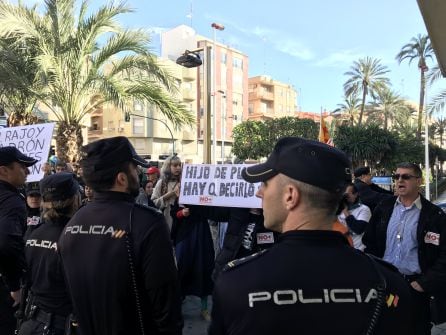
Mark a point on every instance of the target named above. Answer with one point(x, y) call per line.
point(117, 255)
point(13, 171)
point(311, 281)
point(49, 304)
point(33, 202)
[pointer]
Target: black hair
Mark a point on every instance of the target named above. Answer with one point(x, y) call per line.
point(102, 180)
point(414, 167)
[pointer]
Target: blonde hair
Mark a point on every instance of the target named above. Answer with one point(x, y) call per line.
point(54, 210)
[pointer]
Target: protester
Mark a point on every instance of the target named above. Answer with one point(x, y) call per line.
point(89, 194)
point(61, 166)
point(194, 253)
point(49, 303)
point(407, 231)
point(144, 197)
point(33, 202)
point(167, 188)
point(311, 279)
point(117, 255)
point(245, 236)
point(153, 174)
point(354, 215)
point(370, 193)
point(13, 171)
point(46, 168)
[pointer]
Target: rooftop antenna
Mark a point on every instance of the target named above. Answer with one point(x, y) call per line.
point(190, 14)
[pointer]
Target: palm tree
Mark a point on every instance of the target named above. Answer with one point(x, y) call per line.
point(366, 76)
point(18, 79)
point(440, 128)
point(418, 48)
point(83, 74)
point(438, 102)
point(387, 105)
point(350, 107)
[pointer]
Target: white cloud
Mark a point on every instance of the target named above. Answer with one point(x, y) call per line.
point(340, 58)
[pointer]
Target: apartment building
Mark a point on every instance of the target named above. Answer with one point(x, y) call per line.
point(151, 133)
point(269, 98)
point(229, 86)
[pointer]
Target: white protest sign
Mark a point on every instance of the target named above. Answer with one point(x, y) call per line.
point(217, 185)
point(33, 141)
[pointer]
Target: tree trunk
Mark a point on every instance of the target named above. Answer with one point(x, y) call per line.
point(361, 112)
point(420, 107)
point(68, 142)
point(21, 119)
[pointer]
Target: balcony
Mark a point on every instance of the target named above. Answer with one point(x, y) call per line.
point(189, 95)
point(261, 95)
point(189, 74)
point(189, 135)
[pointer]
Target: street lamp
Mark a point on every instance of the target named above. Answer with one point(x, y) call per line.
point(127, 119)
point(223, 124)
point(187, 61)
point(215, 27)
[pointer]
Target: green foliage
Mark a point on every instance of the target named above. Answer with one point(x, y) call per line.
point(86, 60)
point(366, 76)
point(256, 139)
point(365, 143)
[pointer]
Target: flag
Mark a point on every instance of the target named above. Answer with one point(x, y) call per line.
point(324, 136)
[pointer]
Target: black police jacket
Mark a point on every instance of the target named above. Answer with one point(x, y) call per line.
point(310, 282)
point(12, 228)
point(431, 251)
point(95, 258)
point(45, 275)
point(244, 236)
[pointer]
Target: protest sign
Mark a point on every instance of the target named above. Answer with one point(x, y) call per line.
point(33, 141)
point(217, 185)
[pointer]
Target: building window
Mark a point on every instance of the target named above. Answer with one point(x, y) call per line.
point(223, 58)
point(138, 126)
point(237, 63)
point(137, 106)
point(250, 108)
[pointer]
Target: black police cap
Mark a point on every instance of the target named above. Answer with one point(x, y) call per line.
point(32, 188)
point(58, 186)
point(361, 171)
point(10, 155)
point(308, 161)
point(105, 153)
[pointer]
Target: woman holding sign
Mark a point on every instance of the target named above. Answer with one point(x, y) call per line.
point(167, 189)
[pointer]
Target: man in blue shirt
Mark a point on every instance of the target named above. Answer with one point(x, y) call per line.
point(407, 231)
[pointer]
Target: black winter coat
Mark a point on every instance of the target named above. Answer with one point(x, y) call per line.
point(432, 257)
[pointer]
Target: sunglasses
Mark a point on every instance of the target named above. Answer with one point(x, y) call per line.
point(404, 176)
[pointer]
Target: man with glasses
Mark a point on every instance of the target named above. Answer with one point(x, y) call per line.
point(409, 232)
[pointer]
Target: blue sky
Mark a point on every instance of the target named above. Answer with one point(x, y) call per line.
point(309, 44)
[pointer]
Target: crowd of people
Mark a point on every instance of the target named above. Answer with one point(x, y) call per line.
point(104, 246)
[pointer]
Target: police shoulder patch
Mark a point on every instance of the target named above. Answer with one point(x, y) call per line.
point(237, 262)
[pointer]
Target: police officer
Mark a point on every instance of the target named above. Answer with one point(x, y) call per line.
point(311, 281)
point(33, 202)
point(117, 255)
point(13, 171)
point(49, 305)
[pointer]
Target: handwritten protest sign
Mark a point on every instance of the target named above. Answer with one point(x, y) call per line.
point(34, 141)
point(217, 185)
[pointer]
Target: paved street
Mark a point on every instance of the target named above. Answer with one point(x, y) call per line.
point(193, 323)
